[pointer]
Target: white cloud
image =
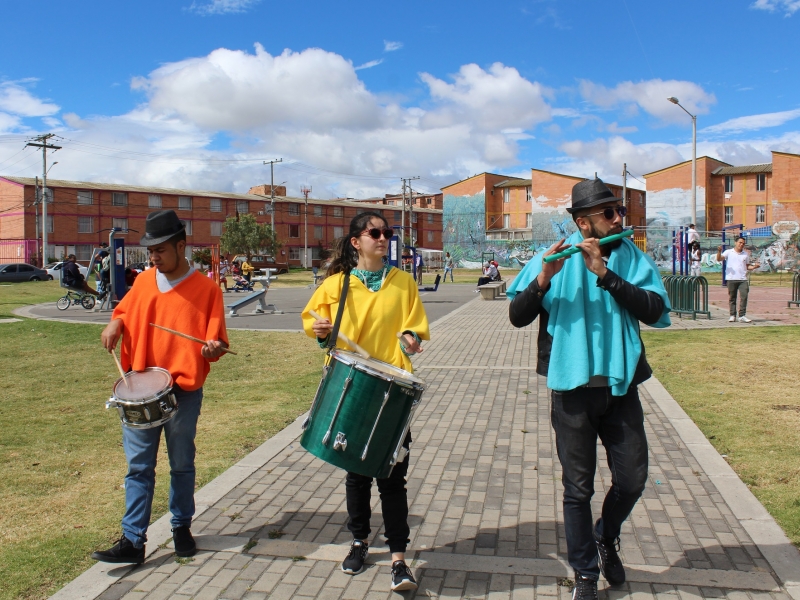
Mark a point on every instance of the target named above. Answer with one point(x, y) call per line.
point(8, 122)
point(17, 100)
point(391, 46)
point(369, 65)
point(753, 122)
point(222, 7)
point(788, 7)
point(651, 96)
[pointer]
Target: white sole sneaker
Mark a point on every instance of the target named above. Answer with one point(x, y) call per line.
point(732, 320)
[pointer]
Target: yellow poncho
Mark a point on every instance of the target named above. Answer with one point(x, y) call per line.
point(373, 319)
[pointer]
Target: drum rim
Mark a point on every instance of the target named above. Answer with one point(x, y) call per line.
point(146, 399)
point(354, 360)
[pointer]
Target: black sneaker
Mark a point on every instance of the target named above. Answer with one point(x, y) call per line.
point(183, 541)
point(402, 578)
point(122, 552)
point(354, 563)
point(610, 564)
point(585, 588)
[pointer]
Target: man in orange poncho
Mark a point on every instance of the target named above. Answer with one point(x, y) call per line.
point(173, 295)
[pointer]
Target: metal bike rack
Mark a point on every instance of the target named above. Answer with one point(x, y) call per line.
point(687, 295)
point(795, 291)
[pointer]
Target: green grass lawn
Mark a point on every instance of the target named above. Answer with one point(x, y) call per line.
point(61, 459)
point(740, 387)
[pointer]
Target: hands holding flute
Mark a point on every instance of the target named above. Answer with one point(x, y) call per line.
point(592, 257)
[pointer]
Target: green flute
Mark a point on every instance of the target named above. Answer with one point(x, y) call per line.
point(575, 249)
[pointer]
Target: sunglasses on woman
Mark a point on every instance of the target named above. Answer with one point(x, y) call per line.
point(375, 233)
point(608, 213)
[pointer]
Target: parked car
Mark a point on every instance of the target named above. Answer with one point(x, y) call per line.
point(54, 269)
point(22, 272)
point(260, 261)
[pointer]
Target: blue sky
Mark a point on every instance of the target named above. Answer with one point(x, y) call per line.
point(354, 95)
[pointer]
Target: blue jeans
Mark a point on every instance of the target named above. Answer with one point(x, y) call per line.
point(579, 417)
point(446, 271)
point(141, 452)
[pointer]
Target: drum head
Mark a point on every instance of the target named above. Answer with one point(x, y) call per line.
point(377, 367)
point(143, 384)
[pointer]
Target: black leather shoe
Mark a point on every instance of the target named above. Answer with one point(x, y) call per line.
point(122, 552)
point(610, 563)
point(184, 542)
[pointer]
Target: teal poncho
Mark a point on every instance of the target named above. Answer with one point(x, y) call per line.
point(592, 334)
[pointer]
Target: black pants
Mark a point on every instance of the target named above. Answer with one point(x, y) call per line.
point(394, 504)
point(579, 417)
point(484, 280)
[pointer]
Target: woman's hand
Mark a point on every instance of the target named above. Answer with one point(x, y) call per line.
point(322, 328)
point(411, 344)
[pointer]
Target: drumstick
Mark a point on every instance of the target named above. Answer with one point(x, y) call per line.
point(345, 339)
point(188, 337)
point(575, 249)
point(121, 370)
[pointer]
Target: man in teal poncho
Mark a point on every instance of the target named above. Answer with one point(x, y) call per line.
point(589, 307)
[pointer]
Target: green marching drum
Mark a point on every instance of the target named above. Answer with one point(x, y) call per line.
point(361, 414)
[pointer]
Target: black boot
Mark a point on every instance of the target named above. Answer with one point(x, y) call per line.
point(184, 542)
point(122, 552)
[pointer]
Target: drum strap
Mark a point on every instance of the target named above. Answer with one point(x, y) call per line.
point(340, 312)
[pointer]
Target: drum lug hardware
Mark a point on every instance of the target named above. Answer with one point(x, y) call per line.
point(110, 403)
point(378, 418)
point(400, 455)
point(347, 383)
point(340, 443)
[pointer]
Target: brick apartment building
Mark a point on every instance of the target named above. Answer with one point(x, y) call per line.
point(80, 215)
point(417, 200)
point(756, 196)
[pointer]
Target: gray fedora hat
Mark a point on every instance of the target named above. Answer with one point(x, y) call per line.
point(590, 192)
point(160, 226)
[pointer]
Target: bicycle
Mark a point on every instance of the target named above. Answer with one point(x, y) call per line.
point(73, 298)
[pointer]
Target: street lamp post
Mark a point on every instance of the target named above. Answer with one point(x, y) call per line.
point(674, 100)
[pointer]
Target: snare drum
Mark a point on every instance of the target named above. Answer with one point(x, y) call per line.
point(361, 414)
point(146, 400)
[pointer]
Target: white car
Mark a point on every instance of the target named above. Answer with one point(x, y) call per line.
point(54, 270)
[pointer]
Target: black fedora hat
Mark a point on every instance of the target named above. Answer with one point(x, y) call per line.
point(590, 192)
point(160, 226)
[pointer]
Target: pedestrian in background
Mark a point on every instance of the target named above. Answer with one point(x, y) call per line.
point(736, 268)
point(448, 266)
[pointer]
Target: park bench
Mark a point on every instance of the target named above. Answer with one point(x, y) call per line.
point(262, 307)
point(491, 290)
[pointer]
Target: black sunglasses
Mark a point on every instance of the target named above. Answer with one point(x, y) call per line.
point(608, 213)
point(375, 233)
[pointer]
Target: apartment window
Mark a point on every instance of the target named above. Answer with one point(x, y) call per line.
point(119, 199)
point(728, 215)
point(430, 217)
point(48, 194)
point(184, 203)
point(761, 213)
point(83, 251)
point(216, 228)
point(294, 231)
point(338, 212)
point(294, 253)
point(641, 221)
point(119, 223)
point(430, 236)
point(85, 225)
point(506, 195)
point(506, 221)
point(294, 210)
point(528, 194)
point(761, 182)
point(242, 206)
point(413, 217)
point(318, 212)
point(338, 232)
point(529, 220)
point(188, 225)
point(396, 215)
point(154, 201)
point(49, 223)
point(84, 197)
point(427, 200)
point(728, 183)
point(216, 205)
point(641, 199)
point(317, 232)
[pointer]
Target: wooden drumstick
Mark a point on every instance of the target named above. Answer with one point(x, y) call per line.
point(345, 339)
point(187, 336)
point(121, 370)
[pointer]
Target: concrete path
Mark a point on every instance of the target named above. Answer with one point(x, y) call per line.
point(485, 502)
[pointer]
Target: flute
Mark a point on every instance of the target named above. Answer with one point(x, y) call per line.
point(575, 249)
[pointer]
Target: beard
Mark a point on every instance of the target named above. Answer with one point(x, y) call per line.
point(611, 246)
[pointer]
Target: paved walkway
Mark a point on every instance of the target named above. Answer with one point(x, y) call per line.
point(485, 500)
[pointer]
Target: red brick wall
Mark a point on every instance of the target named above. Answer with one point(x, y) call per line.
point(552, 190)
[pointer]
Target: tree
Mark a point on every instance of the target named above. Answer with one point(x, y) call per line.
point(246, 236)
point(202, 256)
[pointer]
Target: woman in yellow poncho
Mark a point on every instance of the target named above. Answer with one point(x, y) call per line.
point(381, 301)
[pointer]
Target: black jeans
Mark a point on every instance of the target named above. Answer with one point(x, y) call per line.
point(578, 417)
point(394, 504)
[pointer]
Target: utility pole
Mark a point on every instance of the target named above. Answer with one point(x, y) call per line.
point(306, 191)
point(271, 164)
point(406, 182)
point(36, 213)
point(44, 146)
point(625, 191)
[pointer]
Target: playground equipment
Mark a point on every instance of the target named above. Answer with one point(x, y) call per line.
point(687, 295)
point(259, 296)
